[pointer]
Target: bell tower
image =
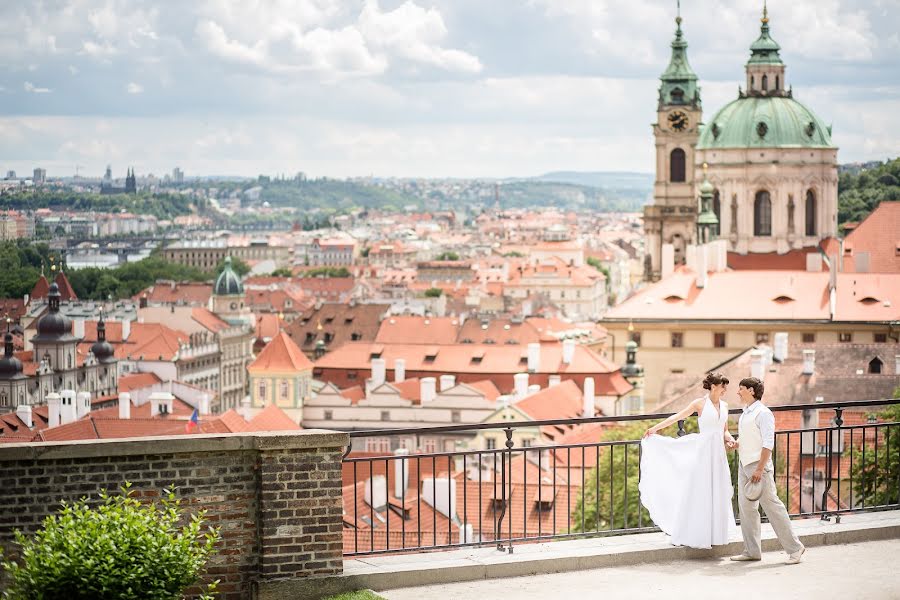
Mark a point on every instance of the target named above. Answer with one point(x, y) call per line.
point(672, 217)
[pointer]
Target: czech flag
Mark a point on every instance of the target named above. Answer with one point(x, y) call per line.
point(193, 423)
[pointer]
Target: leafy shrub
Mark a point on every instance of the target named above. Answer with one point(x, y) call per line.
point(121, 548)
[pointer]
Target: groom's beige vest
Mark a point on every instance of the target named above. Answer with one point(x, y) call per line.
point(750, 439)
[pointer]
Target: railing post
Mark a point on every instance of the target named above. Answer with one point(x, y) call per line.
point(681, 431)
point(838, 421)
point(505, 459)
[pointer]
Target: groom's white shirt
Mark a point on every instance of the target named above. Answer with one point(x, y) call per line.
point(760, 418)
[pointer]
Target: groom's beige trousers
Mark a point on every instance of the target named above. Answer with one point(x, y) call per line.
point(775, 511)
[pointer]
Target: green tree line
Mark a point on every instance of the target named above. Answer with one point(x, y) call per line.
point(161, 206)
point(860, 193)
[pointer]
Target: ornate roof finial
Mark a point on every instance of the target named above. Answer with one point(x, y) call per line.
point(765, 17)
point(678, 16)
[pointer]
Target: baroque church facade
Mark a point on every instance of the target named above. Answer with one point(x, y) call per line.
point(768, 160)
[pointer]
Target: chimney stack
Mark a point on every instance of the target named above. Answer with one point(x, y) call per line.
point(83, 406)
point(534, 357)
point(161, 403)
point(447, 382)
point(427, 389)
point(568, 351)
point(78, 328)
point(587, 407)
point(23, 411)
point(534, 388)
point(67, 411)
point(378, 372)
point(554, 380)
point(203, 405)
point(54, 409)
point(126, 329)
point(758, 363)
point(401, 472)
point(521, 385)
point(702, 271)
point(125, 405)
point(781, 346)
point(809, 361)
point(400, 370)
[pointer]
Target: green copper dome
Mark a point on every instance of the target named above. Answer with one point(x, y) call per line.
point(228, 283)
point(761, 122)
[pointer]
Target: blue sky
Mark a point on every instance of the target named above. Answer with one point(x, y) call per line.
point(434, 88)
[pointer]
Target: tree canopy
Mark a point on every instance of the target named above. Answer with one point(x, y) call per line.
point(860, 193)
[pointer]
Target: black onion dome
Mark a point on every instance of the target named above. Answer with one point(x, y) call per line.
point(54, 325)
point(10, 366)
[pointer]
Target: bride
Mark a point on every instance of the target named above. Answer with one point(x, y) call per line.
point(685, 482)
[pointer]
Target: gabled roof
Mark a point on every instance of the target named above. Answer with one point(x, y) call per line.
point(65, 288)
point(879, 236)
point(41, 288)
point(282, 355)
point(418, 330)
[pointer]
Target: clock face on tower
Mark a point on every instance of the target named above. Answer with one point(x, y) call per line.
point(678, 120)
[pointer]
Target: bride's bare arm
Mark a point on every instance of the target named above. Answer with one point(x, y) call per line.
point(729, 439)
point(684, 413)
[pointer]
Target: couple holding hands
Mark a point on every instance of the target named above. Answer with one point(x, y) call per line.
point(686, 483)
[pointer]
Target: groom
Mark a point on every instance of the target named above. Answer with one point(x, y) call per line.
point(756, 431)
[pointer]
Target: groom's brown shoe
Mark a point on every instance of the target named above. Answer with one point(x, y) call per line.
point(743, 558)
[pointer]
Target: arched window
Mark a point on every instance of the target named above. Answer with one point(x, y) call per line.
point(676, 165)
point(875, 366)
point(284, 390)
point(810, 212)
point(262, 391)
point(762, 214)
point(717, 207)
point(777, 82)
point(765, 83)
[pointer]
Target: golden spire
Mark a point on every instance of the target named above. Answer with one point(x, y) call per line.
point(765, 17)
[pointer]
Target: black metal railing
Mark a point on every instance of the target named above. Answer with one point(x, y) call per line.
point(513, 493)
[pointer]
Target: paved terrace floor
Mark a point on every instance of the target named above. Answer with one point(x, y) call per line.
point(856, 558)
point(865, 570)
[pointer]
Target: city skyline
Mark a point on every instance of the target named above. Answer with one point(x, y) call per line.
point(450, 88)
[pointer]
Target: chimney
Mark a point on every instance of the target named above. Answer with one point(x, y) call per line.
point(126, 329)
point(53, 409)
point(378, 372)
point(568, 351)
point(554, 380)
point(427, 389)
point(376, 491)
point(521, 385)
point(440, 493)
point(447, 382)
point(533, 389)
point(67, 411)
point(587, 406)
point(814, 262)
point(862, 262)
point(23, 411)
point(758, 363)
point(161, 403)
point(78, 328)
point(667, 266)
point(246, 411)
point(809, 361)
point(83, 407)
point(781, 346)
point(534, 357)
point(400, 370)
point(203, 406)
point(702, 272)
point(401, 472)
point(124, 405)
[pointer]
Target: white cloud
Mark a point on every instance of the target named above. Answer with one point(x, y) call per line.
point(31, 88)
point(134, 88)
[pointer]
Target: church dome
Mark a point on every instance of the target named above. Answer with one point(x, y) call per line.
point(54, 324)
point(765, 122)
point(228, 283)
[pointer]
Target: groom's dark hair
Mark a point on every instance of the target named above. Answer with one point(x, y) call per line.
point(754, 384)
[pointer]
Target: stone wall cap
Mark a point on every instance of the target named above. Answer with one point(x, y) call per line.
point(177, 444)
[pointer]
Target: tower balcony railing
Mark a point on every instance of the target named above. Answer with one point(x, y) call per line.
point(509, 490)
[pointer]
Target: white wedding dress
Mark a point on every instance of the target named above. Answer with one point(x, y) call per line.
point(686, 484)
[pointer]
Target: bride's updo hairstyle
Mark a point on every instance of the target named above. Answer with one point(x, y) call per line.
point(714, 379)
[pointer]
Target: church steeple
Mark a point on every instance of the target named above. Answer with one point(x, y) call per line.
point(707, 221)
point(679, 82)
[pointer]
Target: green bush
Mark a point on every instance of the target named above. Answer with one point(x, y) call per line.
point(121, 548)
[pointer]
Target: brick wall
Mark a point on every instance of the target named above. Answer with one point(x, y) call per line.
point(275, 496)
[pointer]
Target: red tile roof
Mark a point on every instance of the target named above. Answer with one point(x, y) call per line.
point(879, 236)
point(418, 330)
point(136, 381)
point(281, 354)
point(191, 293)
point(41, 288)
point(208, 319)
point(65, 288)
point(272, 418)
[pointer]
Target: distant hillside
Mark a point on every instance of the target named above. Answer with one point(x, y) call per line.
point(602, 179)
